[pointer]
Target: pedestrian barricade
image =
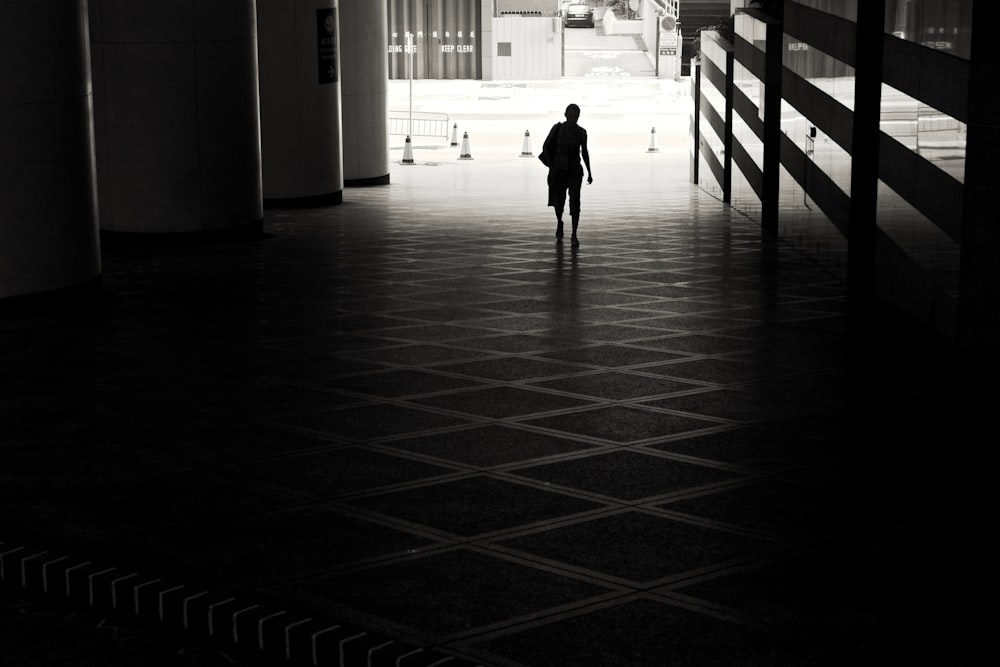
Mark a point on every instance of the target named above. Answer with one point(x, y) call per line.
point(422, 124)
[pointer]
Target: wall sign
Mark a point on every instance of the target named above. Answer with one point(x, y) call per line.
point(326, 45)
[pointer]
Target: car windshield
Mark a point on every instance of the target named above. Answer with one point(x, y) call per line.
point(578, 9)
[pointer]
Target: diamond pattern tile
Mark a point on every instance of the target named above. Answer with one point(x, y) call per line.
point(490, 445)
point(621, 424)
point(639, 547)
point(626, 474)
point(451, 592)
point(500, 402)
point(369, 422)
point(638, 624)
point(475, 505)
point(617, 385)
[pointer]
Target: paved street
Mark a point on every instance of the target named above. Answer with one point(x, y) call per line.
point(619, 115)
point(589, 53)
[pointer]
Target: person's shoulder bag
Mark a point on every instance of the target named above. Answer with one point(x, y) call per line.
point(549, 146)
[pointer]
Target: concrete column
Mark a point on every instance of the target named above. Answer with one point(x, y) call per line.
point(979, 289)
point(771, 105)
point(48, 201)
point(176, 116)
point(300, 102)
point(862, 232)
point(695, 138)
point(365, 88)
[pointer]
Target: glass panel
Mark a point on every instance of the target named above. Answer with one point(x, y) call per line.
point(934, 135)
point(845, 9)
point(943, 25)
point(717, 101)
point(921, 241)
point(711, 50)
point(748, 84)
point(743, 197)
point(714, 98)
point(753, 88)
point(832, 76)
point(804, 225)
point(751, 30)
point(818, 146)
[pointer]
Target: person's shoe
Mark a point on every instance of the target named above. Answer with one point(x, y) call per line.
point(559, 231)
point(576, 241)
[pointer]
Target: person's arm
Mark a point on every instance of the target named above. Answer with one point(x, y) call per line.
point(586, 154)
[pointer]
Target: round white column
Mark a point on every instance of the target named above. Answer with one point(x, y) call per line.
point(365, 89)
point(176, 116)
point(300, 101)
point(48, 203)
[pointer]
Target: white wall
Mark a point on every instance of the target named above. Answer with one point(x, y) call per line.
point(536, 48)
point(487, 42)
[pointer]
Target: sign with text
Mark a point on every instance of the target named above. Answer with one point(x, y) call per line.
point(669, 39)
point(444, 36)
point(326, 45)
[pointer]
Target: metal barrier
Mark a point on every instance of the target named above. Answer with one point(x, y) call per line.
point(425, 124)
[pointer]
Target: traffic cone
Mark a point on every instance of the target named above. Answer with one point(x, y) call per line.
point(408, 151)
point(454, 135)
point(652, 142)
point(466, 153)
point(526, 146)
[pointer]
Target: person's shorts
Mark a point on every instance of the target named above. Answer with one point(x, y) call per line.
point(560, 184)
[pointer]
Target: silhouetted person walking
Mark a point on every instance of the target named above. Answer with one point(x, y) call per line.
point(565, 145)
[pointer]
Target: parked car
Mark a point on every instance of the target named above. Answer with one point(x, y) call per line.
point(580, 16)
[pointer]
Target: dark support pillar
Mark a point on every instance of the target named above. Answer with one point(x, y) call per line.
point(861, 234)
point(977, 331)
point(727, 165)
point(695, 119)
point(176, 119)
point(50, 254)
point(979, 301)
point(772, 128)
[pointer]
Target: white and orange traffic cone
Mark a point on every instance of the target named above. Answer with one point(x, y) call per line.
point(652, 142)
point(466, 154)
point(526, 145)
point(407, 151)
point(454, 135)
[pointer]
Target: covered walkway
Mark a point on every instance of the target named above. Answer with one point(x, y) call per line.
point(412, 429)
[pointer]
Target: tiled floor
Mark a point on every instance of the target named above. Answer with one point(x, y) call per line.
point(417, 412)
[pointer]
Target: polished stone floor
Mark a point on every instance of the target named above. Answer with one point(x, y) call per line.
point(417, 413)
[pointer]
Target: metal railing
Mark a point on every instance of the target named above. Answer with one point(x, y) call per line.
point(424, 124)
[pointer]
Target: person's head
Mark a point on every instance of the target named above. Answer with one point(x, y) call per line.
point(572, 113)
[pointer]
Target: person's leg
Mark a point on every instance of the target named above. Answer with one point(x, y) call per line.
point(574, 204)
point(557, 200)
